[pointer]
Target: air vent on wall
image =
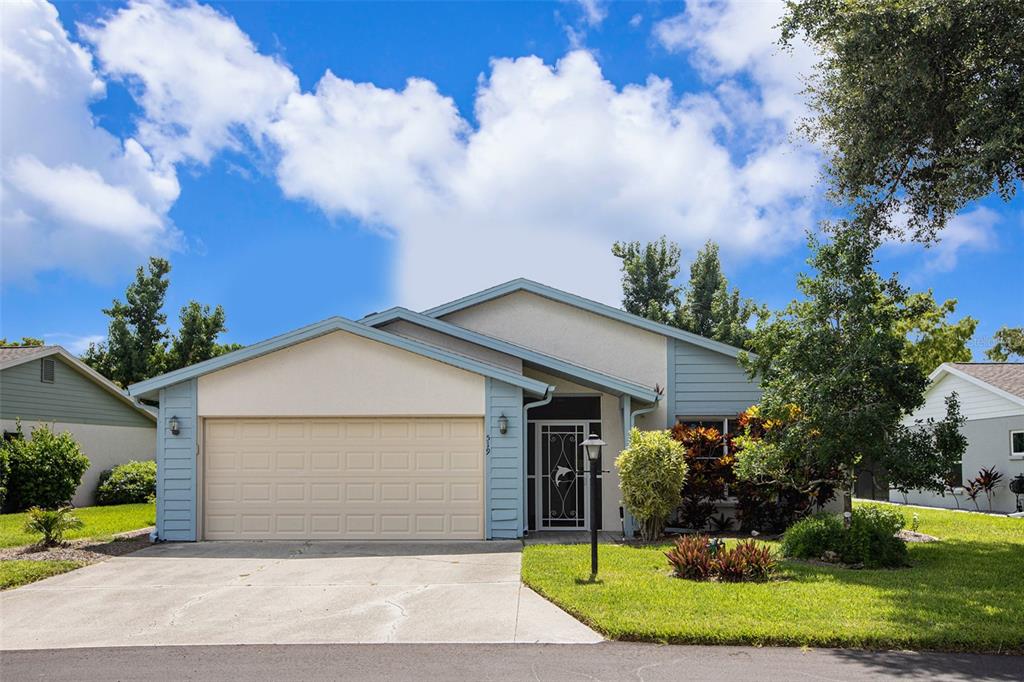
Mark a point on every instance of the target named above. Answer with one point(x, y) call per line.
point(46, 374)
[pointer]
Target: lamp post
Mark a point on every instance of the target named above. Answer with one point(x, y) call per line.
point(592, 446)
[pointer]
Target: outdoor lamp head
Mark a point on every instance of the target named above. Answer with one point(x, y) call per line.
point(174, 426)
point(503, 425)
point(592, 446)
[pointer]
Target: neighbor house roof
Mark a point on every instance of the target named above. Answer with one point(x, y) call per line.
point(569, 370)
point(583, 303)
point(1005, 379)
point(11, 356)
point(149, 387)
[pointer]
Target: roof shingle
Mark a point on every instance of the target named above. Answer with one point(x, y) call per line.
point(1008, 376)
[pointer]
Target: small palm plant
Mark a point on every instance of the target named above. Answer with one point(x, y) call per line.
point(988, 480)
point(52, 524)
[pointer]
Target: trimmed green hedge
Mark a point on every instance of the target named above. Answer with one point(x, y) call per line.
point(128, 483)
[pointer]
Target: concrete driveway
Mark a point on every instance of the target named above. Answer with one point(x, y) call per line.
point(288, 593)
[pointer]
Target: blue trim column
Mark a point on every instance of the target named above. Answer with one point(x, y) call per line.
point(503, 461)
point(628, 523)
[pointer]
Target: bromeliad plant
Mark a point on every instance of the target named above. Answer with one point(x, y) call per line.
point(696, 557)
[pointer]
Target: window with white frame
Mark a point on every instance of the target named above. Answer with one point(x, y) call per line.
point(725, 425)
point(1016, 443)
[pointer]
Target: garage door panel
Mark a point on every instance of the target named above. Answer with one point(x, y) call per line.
point(344, 479)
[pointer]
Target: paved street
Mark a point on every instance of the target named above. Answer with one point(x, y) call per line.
point(555, 662)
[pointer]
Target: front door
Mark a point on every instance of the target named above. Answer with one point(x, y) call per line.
point(561, 475)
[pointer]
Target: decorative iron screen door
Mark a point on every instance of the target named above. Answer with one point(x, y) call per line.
point(561, 469)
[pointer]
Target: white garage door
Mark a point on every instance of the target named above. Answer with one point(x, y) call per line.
point(343, 479)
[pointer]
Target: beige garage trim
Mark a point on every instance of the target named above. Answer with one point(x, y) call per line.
point(344, 479)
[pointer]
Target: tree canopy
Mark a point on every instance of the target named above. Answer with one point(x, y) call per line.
point(1009, 342)
point(137, 336)
point(931, 338)
point(648, 272)
point(707, 306)
point(918, 104)
point(26, 341)
point(835, 377)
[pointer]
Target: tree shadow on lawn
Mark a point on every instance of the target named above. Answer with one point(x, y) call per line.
point(957, 595)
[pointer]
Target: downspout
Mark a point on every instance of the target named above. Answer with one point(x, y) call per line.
point(627, 519)
point(549, 393)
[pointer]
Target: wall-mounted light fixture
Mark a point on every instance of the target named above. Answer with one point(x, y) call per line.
point(503, 425)
point(174, 425)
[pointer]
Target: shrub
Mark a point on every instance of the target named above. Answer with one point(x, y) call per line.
point(128, 483)
point(758, 561)
point(871, 538)
point(691, 558)
point(730, 566)
point(811, 537)
point(651, 474)
point(695, 557)
point(52, 524)
point(46, 469)
point(5, 474)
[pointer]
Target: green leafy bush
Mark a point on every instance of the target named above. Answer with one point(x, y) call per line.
point(5, 474)
point(46, 469)
point(870, 540)
point(52, 524)
point(696, 557)
point(651, 475)
point(811, 537)
point(128, 483)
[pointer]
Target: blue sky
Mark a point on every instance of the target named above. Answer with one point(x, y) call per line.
point(279, 156)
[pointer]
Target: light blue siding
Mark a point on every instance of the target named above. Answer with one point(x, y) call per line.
point(703, 382)
point(504, 461)
point(176, 463)
point(71, 398)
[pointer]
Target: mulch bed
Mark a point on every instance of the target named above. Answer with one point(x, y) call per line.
point(85, 551)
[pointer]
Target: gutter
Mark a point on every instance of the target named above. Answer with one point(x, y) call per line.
point(549, 394)
point(628, 525)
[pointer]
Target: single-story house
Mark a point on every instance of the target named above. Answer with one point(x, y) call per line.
point(46, 384)
point(992, 401)
point(460, 422)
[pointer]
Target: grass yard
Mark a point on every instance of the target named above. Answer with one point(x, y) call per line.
point(101, 523)
point(965, 593)
point(21, 572)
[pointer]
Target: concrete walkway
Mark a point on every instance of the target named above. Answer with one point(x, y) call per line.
point(288, 593)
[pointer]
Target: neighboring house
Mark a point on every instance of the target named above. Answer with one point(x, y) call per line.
point(460, 422)
point(992, 400)
point(47, 384)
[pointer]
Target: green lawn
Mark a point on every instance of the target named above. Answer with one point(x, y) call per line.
point(22, 572)
point(965, 593)
point(100, 523)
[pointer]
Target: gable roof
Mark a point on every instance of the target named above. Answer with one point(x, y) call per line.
point(585, 304)
point(558, 366)
point(333, 324)
point(13, 356)
point(1005, 379)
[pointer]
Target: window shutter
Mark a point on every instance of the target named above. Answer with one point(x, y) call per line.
point(47, 370)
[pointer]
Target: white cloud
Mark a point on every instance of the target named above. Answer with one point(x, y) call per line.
point(734, 37)
point(636, 20)
point(73, 343)
point(972, 230)
point(68, 185)
point(197, 76)
point(594, 11)
point(562, 164)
